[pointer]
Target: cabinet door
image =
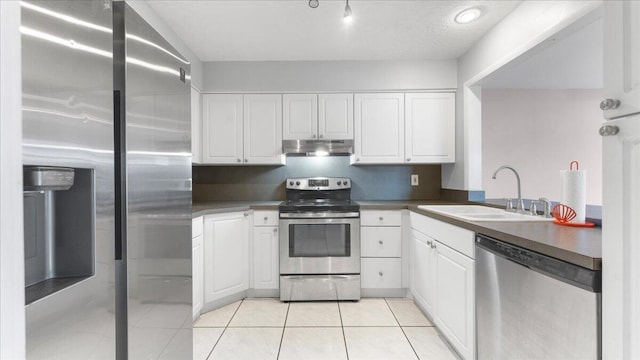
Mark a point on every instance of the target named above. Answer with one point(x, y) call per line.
point(622, 56)
point(226, 255)
point(455, 312)
point(263, 129)
point(335, 116)
point(430, 127)
point(222, 129)
point(379, 128)
point(197, 280)
point(422, 270)
point(196, 128)
point(300, 116)
point(266, 270)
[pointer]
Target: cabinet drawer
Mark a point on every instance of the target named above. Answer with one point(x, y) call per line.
point(457, 238)
point(380, 241)
point(265, 218)
point(196, 227)
point(381, 218)
point(379, 273)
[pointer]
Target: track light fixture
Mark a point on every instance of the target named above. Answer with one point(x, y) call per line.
point(347, 13)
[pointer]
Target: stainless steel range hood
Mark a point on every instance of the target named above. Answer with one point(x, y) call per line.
point(317, 147)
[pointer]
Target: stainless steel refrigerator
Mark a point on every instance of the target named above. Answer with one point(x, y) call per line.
point(107, 260)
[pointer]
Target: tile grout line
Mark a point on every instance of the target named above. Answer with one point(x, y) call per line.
point(284, 326)
point(401, 329)
point(344, 337)
point(225, 329)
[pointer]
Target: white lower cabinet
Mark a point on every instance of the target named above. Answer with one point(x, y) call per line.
point(443, 278)
point(226, 250)
point(197, 265)
point(266, 266)
point(422, 282)
point(381, 252)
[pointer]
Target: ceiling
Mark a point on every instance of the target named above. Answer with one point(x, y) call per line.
point(572, 61)
point(281, 30)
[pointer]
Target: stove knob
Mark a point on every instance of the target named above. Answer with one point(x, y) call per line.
point(297, 183)
point(339, 183)
point(290, 183)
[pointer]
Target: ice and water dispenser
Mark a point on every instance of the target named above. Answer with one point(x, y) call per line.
point(59, 228)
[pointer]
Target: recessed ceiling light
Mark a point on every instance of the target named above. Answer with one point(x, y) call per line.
point(468, 15)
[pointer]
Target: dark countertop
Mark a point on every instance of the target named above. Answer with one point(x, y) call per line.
point(579, 246)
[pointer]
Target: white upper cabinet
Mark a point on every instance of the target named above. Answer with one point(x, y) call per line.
point(263, 129)
point(379, 128)
point(622, 58)
point(222, 141)
point(430, 127)
point(195, 126)
point(300, 118)
point(335, 116)
point(313, 116)
point(242, 129)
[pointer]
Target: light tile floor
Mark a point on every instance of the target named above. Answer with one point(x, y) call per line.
point(269, 329)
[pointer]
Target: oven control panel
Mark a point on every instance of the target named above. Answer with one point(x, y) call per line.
point(318, 183)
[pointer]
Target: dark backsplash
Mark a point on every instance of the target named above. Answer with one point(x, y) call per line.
point(264, 183)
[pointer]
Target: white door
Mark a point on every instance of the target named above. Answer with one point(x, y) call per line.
point(379, 128)
point(430, 127)
point(422, 270)
point(226, 255)
point(621, 58)
point(266, 265)
point(196, 128)
point(222, 129)
point(300, 116)
point(335, 116)
point(621, 183)
point(263, 129)
point(455, 298)
point(197, 280)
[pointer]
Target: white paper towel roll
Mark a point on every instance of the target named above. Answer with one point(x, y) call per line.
point(574, 192)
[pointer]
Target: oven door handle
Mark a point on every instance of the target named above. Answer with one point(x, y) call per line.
point(323, 214)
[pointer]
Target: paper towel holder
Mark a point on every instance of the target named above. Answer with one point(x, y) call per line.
point(574, 162)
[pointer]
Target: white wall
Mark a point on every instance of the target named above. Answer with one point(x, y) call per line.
point(12, 320)
point(528, 25)
point(539, 132)
point(150, 16)
point(287, 76)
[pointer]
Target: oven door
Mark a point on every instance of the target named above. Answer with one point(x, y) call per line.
point(311, 245)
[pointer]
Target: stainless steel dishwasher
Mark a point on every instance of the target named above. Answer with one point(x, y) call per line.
point(532, 306)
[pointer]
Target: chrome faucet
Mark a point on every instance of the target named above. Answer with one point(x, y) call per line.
point(520, 203)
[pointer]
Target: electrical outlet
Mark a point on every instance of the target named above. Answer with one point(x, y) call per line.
point(414, 180)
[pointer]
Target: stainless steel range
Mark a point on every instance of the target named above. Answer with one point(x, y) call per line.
point(319, 241)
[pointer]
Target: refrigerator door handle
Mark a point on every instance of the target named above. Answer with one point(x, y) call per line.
point(119, 165)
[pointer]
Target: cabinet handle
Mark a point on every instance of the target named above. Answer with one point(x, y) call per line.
point(380, 242)
point(408, 159)
point(313, 136)
point(381, 218)
point(429, 243)
point(433, 246)
point(380, 273)
point(245, 160)
point(275, 230)
point(239, 160)
point(266, 218)
point(357, 159)
point(246, 214)
point(609, 104)
point(321, 136)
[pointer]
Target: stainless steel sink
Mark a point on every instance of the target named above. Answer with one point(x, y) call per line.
point(480, 213)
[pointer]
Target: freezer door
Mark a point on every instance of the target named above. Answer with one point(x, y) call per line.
point(67, 115)
point(157, 251)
